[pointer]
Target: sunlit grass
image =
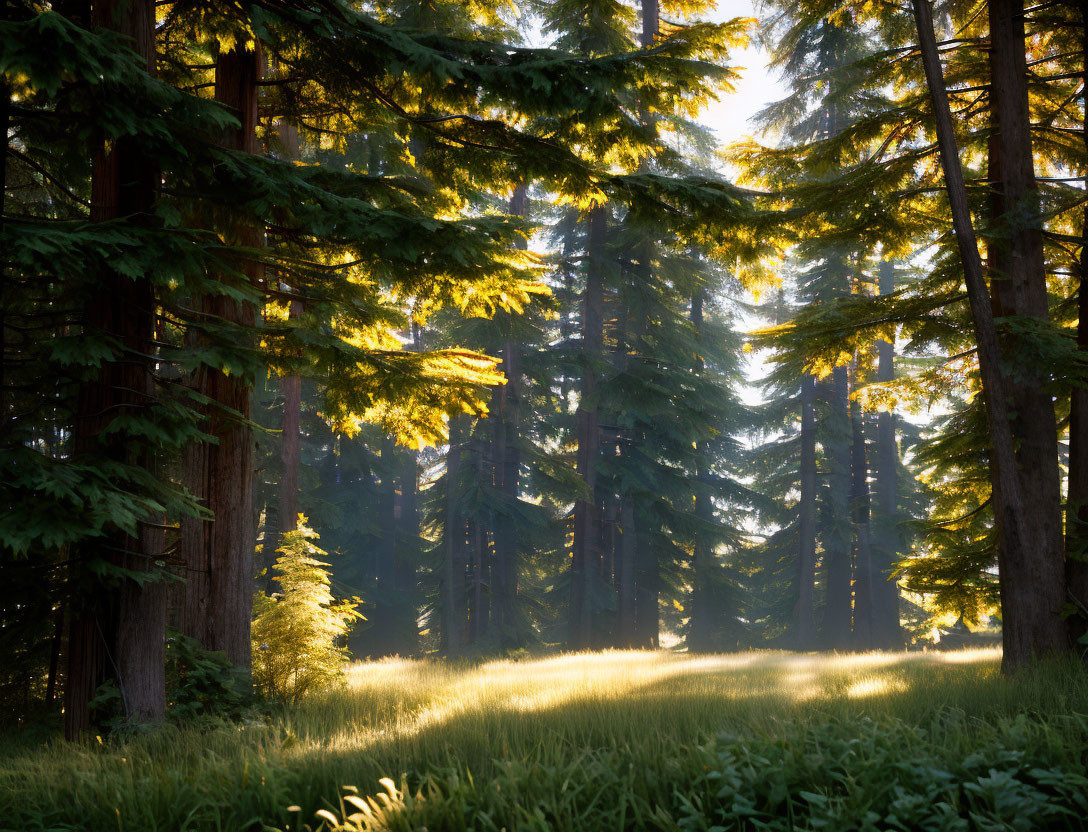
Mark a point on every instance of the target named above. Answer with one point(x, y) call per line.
point(650, 716)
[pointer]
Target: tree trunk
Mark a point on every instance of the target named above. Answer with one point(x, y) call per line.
point(290, 452)
point(1029, 630)
point(506, 465)
point(404, 577)
point(453, 571)
point(382, 613)
point(480, 611)
point(804, 616)
point(118, 633)
point(886, 629)
point(291, 387)
point(837, 520)
point(651, 22)
point(700, 627)
point(218, 553)
point(586, 556)
point(5, 127)
point(643, 556)
point(625, 576)
point(54, 654)
point(647, 596)
point(1076, 523)
point(1035, 586)
point(864, 593)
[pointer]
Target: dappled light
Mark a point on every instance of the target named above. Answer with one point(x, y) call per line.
point(395, 699)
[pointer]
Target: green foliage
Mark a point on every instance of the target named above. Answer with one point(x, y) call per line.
point(617, 740)
point(201, 684)
point(298, 632)
point(889, 776)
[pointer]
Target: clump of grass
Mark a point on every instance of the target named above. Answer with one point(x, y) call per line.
point(615, 740)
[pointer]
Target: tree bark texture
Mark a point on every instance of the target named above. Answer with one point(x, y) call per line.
point(586, 556)
point(218, 553)
point(506, 465)
point(1076, 523)
point(452, 588)
point(864, 580)
point(886, 541)
point(804, 616)
point(1033, 579)
point(836, 514)
point(117, 631)
point(1027, 632)
point(703, 615)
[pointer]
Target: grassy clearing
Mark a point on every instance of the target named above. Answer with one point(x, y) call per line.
point(618, 740)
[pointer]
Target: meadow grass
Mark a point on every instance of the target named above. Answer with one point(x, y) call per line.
point(613, 740)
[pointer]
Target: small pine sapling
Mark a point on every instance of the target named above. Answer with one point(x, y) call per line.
point(298, 632)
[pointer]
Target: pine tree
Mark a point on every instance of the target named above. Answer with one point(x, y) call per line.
point(297, 631)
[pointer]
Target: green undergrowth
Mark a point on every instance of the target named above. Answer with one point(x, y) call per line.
point(606, 741)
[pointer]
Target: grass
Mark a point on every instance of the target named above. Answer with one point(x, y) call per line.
point(595, 741)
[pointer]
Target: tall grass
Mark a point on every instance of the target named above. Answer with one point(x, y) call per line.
point(615, 740)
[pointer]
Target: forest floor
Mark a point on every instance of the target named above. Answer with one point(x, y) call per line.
point(603, 741)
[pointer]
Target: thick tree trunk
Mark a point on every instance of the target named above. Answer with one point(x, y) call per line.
point(886, 630)
point(586, 557)
point(804, 615)
point(1076, 522)
point(641, 554)
point(1034, 583)
point(218, 553)
point(1030, 629)
point(118, 633)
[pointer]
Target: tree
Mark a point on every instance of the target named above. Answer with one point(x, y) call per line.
point(1031, 573)
point(298, 632)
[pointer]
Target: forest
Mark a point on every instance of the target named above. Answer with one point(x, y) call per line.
point(471, 415)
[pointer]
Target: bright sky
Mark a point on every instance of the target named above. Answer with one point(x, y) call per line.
point(730, 117)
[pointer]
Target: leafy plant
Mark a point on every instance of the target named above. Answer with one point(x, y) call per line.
point(203, 683)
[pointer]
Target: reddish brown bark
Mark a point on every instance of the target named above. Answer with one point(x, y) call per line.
point(218, 553)
point(117, 630)
point(1076, 535)
point(1027, 583)
point(1033, 578)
